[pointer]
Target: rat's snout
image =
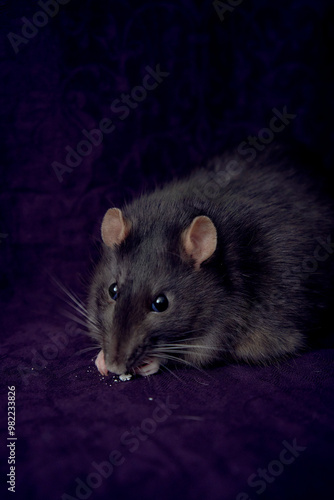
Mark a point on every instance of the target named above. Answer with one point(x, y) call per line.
point(116, 356)
point(116, 365)
point(104, 366)
point(118, 369)
point(149, 366)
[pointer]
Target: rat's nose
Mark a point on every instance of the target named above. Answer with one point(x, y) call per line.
point(115, 357)
point(117, 368)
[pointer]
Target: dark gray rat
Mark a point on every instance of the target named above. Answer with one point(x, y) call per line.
point(232, 263)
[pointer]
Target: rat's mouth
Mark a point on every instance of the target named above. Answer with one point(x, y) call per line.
point(148, 367)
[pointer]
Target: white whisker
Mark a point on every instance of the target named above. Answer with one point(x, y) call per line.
point(79, 320)
point(88, 349)
point(173, 347)
point(179, 360)
point(174, 351)
point(74, 302)
point(171, 372)
point(70, 294)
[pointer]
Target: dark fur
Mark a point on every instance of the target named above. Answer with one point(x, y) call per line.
point(254, 300)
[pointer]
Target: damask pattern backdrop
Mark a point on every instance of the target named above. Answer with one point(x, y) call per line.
point(100, 100)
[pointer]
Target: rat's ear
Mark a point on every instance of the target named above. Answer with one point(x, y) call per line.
point(199, 240)
point(115, 227)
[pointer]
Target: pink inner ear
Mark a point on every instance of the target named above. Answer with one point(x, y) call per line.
point(200, 239)
point(114, 227)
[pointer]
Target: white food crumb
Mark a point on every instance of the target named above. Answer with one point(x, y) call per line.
point(125, 376)
point(150, 399)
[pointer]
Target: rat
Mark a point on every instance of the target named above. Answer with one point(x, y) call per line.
point(232, 263)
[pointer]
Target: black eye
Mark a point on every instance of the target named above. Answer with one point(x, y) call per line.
point(113, 291)
point(160, 304)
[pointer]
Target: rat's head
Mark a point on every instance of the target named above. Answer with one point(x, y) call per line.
point(149, 291)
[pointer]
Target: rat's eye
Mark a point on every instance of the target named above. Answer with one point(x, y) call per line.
point(113, 291)
point(160, 304)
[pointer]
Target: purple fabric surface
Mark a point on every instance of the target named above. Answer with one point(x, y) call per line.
point(231, 432)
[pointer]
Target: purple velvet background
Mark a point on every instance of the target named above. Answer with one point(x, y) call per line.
point(224, 79)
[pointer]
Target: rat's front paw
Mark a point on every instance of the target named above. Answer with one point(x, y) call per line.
point(149, 366)
point(101, 364)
